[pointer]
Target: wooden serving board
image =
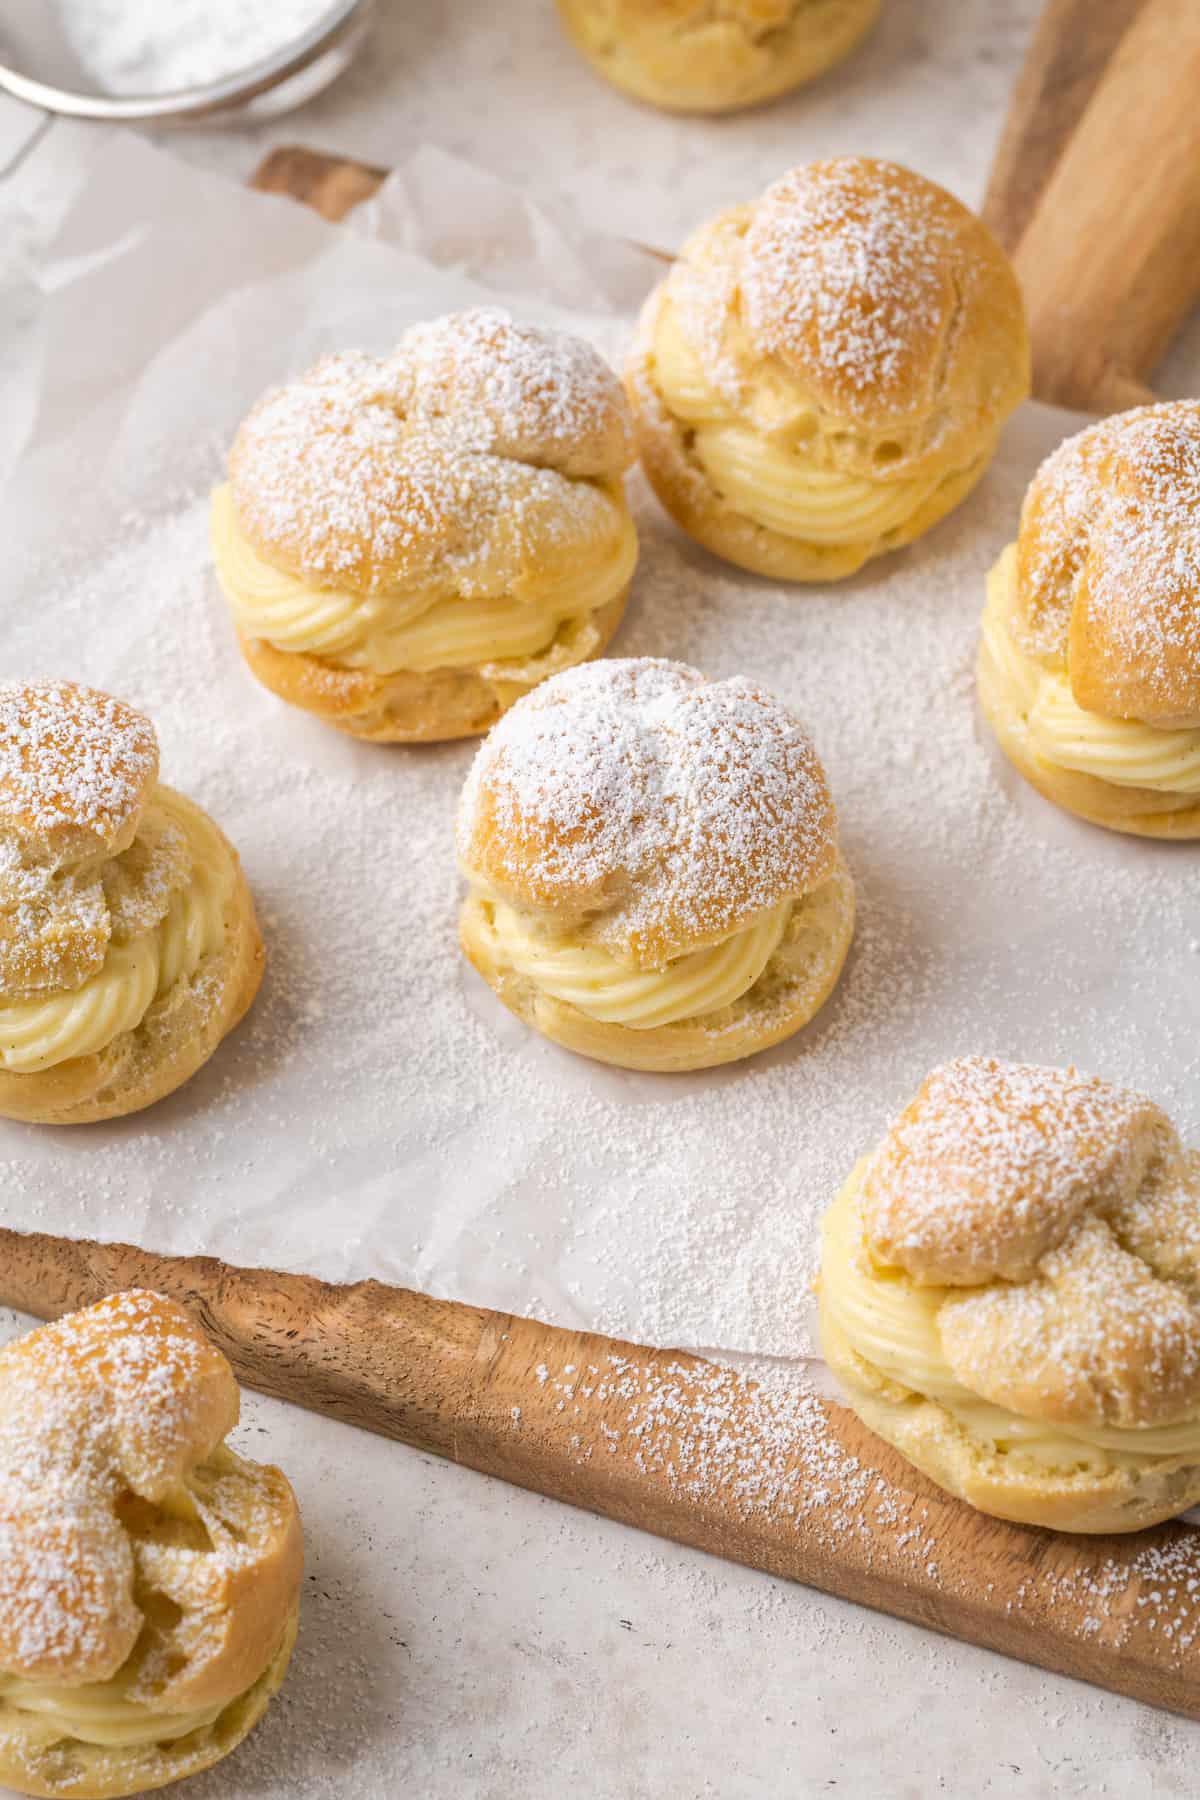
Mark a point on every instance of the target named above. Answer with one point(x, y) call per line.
point(674, 1445)
point(1095, 190)
point(669, 1442)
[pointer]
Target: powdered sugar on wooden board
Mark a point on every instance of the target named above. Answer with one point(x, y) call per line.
point(378, 1113)
point(759, 1439)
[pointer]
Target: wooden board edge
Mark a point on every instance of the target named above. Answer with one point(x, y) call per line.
point(667, 1442)
point(332, 185)
point(1067, 54)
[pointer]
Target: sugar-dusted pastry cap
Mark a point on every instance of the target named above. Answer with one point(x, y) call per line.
point(1065, 1219)
point(885, 303)
point(105, 1410)
point(76, 768)
point(1108, 565)
point(477, 435)
point(657, 809)
point(125, 1395)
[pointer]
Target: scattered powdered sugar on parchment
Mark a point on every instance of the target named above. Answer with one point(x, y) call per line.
point(378, 1113)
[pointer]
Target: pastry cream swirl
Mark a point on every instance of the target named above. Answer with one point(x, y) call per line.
point(99, 1712)
point(1061, 732)
point(893, 1324)
point(776, 484)
point(419, 631)
point(37, 1033)
point(591, 979)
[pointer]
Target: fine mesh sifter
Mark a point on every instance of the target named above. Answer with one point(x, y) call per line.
point(40, 65)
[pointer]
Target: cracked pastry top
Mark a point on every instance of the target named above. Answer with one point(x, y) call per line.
point(410, 543)
point(823, 375)
point(694, 56)
point(653, 868)
point(128, 941)
point(149, 1576)
point(1089, 665)
point(1009, 1294)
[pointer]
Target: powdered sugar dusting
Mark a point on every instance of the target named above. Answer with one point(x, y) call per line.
point(1096, 1339)
point(135, 47)
point(371, 470)
point(518, 390)
point(1112, 527)
point(71, 757)
point(676, 807)
point(857, 272)
point(762, 1442)
point(105, 1401)
point(993, 1163)
point(1066, 1216)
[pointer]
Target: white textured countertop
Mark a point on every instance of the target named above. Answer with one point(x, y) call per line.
point(461, 1638)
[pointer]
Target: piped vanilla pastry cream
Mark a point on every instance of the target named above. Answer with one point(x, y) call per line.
point(653, 869)
point(1009, 1294)
point(410, 543)
point(1089, 664)
point(128, 941)
point(149, 1576)
point(689, 56)
point(823, 375)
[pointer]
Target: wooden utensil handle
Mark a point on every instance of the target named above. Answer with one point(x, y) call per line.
point(331, 185)
point(1096, 192)
point(665, 1441)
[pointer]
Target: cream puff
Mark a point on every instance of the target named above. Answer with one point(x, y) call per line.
point(653, 867)
point(128, 941)
point(409, 544)
point(1009, 1294)
point(688, 56)
point(1089, 666)
point(149, 1576)
point(823, 375)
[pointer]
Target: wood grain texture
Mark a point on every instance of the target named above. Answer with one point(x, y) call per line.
point(1067, 55)
point(331, 185)
point(1096, 193)
point(676, 1446)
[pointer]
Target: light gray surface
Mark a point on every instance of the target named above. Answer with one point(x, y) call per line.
point(464, 1639)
